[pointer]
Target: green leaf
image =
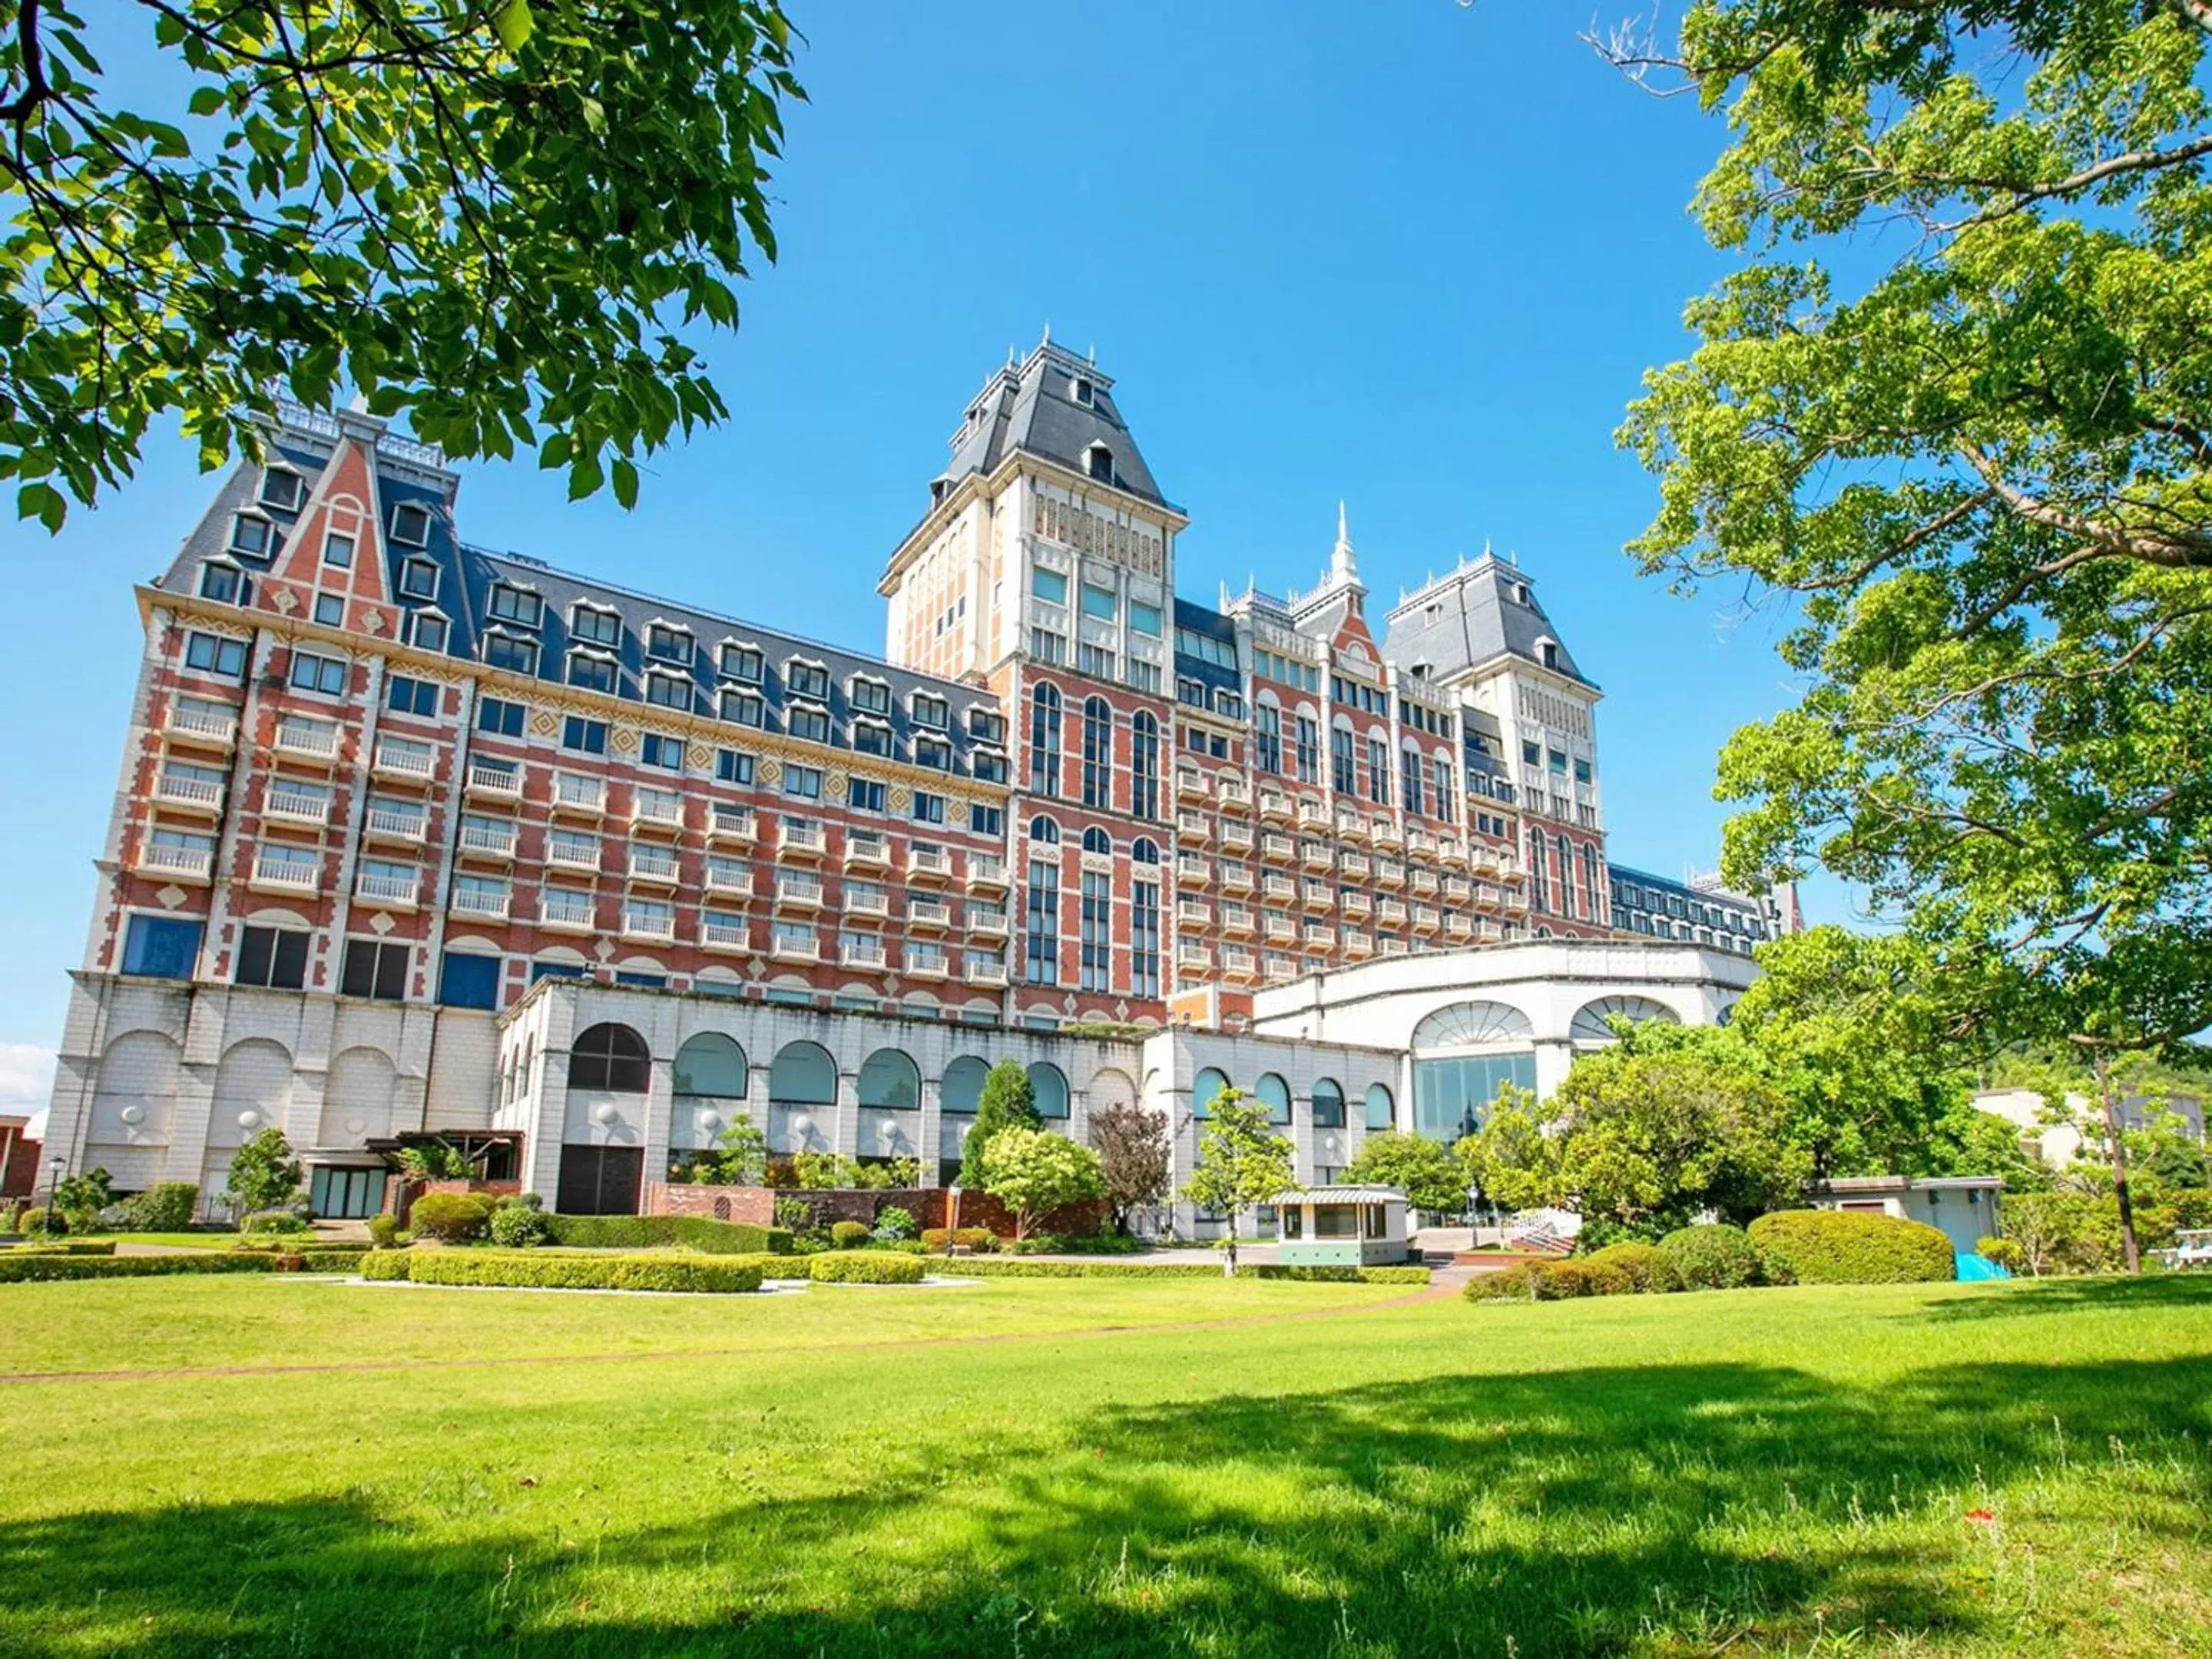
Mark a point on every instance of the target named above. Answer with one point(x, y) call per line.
point(41, 501)
point(625, 476)
point(514, 24)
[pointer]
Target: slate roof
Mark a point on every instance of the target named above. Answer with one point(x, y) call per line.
point(1034, 409)
point(1472, 616)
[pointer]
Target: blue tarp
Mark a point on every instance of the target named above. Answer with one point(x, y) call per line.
point(1973, 1267)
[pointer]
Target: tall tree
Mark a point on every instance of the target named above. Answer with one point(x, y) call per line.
point(1241, 1162)
point(1422, 1168)
point(1034, 1172)
point(1007, 1101)
point(1974, 475)
point(1132, 1144)
point(492, 215)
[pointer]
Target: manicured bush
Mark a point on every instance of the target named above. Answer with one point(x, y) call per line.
point(894, 1223)
point(1544, 1281)
point(645, 1232)
point(59, 1245)
point(1718, 1257)
point(276, 1223)
point(452, 1218)
point(2003, 1253)
point(866, 1267)
point(1645, 1266)
point(1850, 1246)
point(849, 1235)
point(519, 1227)
point(546, 1270)
point(164, 1207)
point(968, 1239)
point(383, 1231)
point(1021, 1268)
point(329, 1262)
point(22, 1266)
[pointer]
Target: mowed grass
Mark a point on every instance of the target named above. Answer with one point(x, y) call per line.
point(2002, 1470)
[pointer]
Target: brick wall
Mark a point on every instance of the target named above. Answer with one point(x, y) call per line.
point(755, 1204)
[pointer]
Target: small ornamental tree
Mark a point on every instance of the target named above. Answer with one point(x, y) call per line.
point(1423, 1170)
point(1242, 1161)
point(1007, 1103)
point(739, 1157)
point(1132, 1144)
point(263, 1175)
point(1034, 1172)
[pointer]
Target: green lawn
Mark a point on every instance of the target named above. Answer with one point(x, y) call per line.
point(2004, 1470)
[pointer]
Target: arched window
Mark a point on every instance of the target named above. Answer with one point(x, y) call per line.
point(1566, 876)
point(1411, 771)
point(1539, 897)
point(890, 1079)
point(1145, 767)
point(610, 1057)
point(711, 1064)
point(1044, 740)
point(1048, 1088)
point(1043, 829)
point(1268, 737)
point(1204, 1089)
point(1382, 1110)
point(1592, 1022)
point(802, 1075)
point(1275, 1095)
point(1096, 840)
point(962, 1091)
point(1098, 752)
point(1144, 850)
point(1591, 887)
point(1328, 1104)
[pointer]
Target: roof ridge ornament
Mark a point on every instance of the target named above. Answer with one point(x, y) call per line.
point(1342, 566)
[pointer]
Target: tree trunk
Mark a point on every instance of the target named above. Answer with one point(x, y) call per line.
point(1228, 1256)
point(2119, 1164)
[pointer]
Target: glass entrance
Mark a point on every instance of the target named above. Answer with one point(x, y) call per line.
point(345, 1195)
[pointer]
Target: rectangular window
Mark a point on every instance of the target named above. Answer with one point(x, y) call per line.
point(1144, 618)
point(375, 969)
point(1558, 762)
point(223, 583)
point(669, 644)
point(1145, 939)
point(212, 654)
point(330, 611)
point(276, 957)
point(807, 679)
point(803, 781)
point(404, 694)
point(326, 675)
point(668, 691)
point(338, 552)
point(429, 632)
point(584, 737)
point(1048, 647)
point(591, 625)
point(1378, 771)
point(1097, 661)
point(869, 697)
point(809, 724)
point(1049, 585)
point(988, 820)
point(928, 808)
point(1098, 917)
point(1042, 942)
point(870, 738)
point(1100, 602)
point(733, 766)
point(589, 673)
point(251, 533)
point(1268, 725)
point(1339, 762)
point(866, 794)
point(988, 768)
point(162, 947)
point(418, 580)
point(468, 982)
point(1309, 751)
point(743, 709)
point(666, 753)
point(930, 711)
point(500, 718)
point(282, 488)
point(517, 606)
point(741, 662)
point(517, 656)
point(1581, 771)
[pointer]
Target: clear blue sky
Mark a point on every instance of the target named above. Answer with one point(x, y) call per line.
point(1419, 262)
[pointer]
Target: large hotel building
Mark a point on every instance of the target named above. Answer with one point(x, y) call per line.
point(414, 838)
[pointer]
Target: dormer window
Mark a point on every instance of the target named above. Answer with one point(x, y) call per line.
point(667, 643)
point(1547, 653)
point(251, 533)
point(741, 662)
point(588, 671)
point(1099, 462)
point(517, 606)
point(224, 583)
point(418, 580)
point(431, 630)
point(590, 625)
point(1083, 391)
point(410, 524)
point(987, 726)
point(516, 655)
point(870, 697)
point(872, 737)
point(1520, 593)
point(807, 679)
point(282, 488)
point(925, 709)
point(668, 691)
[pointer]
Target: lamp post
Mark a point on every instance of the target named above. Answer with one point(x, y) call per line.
point(54, 1167)
point(952, 1214)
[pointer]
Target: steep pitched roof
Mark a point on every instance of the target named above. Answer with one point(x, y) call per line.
point(1039, 409)
point(1481, 612)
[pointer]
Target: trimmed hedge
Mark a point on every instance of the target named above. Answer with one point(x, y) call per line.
point(1716, 1257)
point(866, 1267)
point(968, 1238)
point(57, 1246)
point(1534, 1281)
point(19, 1267)
point(453, 1217)
point(1645, 1270)
point(849, 1235)
point(331, 1262)
point(645, 1232)
point(1850, 1246)
point(1019, 1267)
point(536, 1270)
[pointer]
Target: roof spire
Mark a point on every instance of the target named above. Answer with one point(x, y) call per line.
point(1341, 565)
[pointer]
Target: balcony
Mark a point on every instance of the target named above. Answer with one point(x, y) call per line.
point(388, 892)
point(192, 865)
point(1194, 913)
point(1192, 958)
point(202, 722)
point(1420, 843)
point(1484, 856)
point(1279, 929)
point(1318, 937)
point(1389, 872)
point(1452, 851)
point(276, 871)
point(1460, 927)
point(986, 871)
point(654, 864)
point(490, 905)
point(1241, 920)
point(1193, 826)
point(1278, 889)
point(656, 809)
point(1235, 795)
point(1317, 855)
point(928, 863)
point(932, 915)
point(799, 892)
point(987, 922)
point(1456, 890)
point(867, 903)
point(384, 822)
point(1488, 932)
point(1351, 827)
point(802, 838)
point(864, 851)
point(410, 762)
point(1359, 946)
point(1236, 837)
point(574, 793)
point(563, 910)
point(1427, 919)
point(724, 881)
point(203, 795)
point(1354, 866)
point(1239, 965)
point(1236, 876)
point(1386, 834)
point(1356, 905)
point(867, 953)
point(569, 852)
point(494, 781)
point(1194, 871)
point(1423, 881)
point(1275, 805)
point(985, 973)
point(487, 841)
point(657, 926)
point(1277, 849)
point(1190, 783)
point(731, 825)
point(315, 740)
point(1509, 867)
point(924, 964)
point(1312, 815)
point(1517, 904)
point(734, 936)
point(1317, 895)
point(289, 804)
point(1391, 912)
point(786, 947)
point(1281, 973)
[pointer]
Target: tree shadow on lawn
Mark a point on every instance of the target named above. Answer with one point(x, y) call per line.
point(1592, 1512)
point(2025, 1298)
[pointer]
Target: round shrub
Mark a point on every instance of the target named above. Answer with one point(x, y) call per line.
point(451, 1217)
point(866, 1267)
point(518, 1227)
point(849, 1235)
point(1543, 1282)
point(1718, 1257)
point(276, 1223)
point(387, 1264)
point(383, 1231)
point(165, 1207)
point(1850, 1246)
point(893, 1222)
point(1643, 1267)
point(2004, 1252)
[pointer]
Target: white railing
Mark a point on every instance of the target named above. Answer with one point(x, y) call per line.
point(572, 855)
point(649, 924)
point(985, 973)
point(189, 792)
point(488, 779)
point(867, 903)
point(388, 890)
point(867, 849)
point(803, 838)
point(928, 913)
point(928, 861)
point(222, 725)
point(985, 869)
point(730, 823)
point(658, 807)
point(293, 875)
point(653, 863)
point(476, 902)
point(589, 794)
point(296, 806)
point(193, 862)
point(406, 760)
point(797, 890)
point(728, 881)
point(497, 838)
point(987, 918)
point(725, 935)
point(559, 908)
point(312, 739)
point(405, 825)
